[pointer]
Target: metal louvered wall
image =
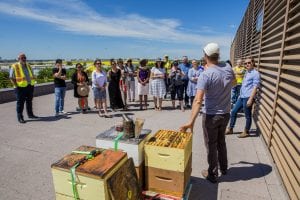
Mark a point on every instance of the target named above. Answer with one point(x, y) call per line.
point(275, 46)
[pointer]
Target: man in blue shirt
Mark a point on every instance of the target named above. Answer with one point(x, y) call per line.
point(216, 83)
point(247, 93)
point(185, 66)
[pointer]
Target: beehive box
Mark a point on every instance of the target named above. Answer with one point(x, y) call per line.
point(169, 150)
point(133, 146)
point(124, 183)
point(140, 171)
point(91, 176)
point(168, 182)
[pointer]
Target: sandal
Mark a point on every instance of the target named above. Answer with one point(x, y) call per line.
point(100, 114)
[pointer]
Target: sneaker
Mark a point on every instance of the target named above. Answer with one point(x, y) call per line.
point(229, 131)
point(212, 179)
point(56, 114)
point(63, 112)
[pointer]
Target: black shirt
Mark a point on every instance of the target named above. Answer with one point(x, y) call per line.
point(57, 81)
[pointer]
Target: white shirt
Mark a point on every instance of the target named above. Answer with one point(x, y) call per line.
point(99, 78)
point(158, 71)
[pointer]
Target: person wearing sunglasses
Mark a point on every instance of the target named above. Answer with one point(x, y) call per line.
point(247, 93)
point(114, 91)
point(81, 80)
point(23, 80)
point(99, 83)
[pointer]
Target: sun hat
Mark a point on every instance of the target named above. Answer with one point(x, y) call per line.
point(211, 48)
point(83, 90)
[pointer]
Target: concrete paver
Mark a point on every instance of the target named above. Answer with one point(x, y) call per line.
point(27, 151)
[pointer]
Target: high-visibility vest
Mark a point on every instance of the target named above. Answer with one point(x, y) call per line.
point(168, 66)
point(239, 74)
point(20, 76)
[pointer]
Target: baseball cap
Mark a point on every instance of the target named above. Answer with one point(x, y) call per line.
point(211, 48)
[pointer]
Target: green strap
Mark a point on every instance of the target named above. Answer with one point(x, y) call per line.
point(89, 155)
point(73, 178)
point(82, 152)
point(117, 140)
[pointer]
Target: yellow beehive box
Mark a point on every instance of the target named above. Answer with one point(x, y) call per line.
point(168, 182)
point(169, 150)
point(91, 175)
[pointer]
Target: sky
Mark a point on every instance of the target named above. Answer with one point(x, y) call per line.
point(89, 29)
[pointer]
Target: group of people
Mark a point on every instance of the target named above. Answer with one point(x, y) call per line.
point(219, 85)
point(165, 77)
point(168, 77)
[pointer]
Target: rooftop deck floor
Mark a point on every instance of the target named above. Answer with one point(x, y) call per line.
point(28, 150)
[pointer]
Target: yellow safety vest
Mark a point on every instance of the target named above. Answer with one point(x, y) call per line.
point(168, 66)
point(239, 72)
point(20, 76)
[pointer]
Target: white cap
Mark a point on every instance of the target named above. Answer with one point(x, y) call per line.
point(211, 48)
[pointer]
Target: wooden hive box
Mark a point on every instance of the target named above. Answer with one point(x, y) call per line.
point(169, 150)
point(134, 147)
point(140, 171)
point(168, 182)
point(91, 176)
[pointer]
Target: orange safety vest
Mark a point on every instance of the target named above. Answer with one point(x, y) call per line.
point(20, 76)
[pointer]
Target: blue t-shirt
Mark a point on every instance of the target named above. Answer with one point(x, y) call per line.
point(251, 80)
point(185, 69)
point(216, 82)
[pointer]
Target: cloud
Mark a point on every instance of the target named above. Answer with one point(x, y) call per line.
point(77, 17)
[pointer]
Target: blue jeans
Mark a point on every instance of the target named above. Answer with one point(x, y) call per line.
point(235, 93)
point(241, 103)
point(59, 98)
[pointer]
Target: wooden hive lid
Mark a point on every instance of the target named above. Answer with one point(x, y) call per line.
point(99, 166)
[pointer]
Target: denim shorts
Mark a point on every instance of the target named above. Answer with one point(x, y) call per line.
point(99, 94)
